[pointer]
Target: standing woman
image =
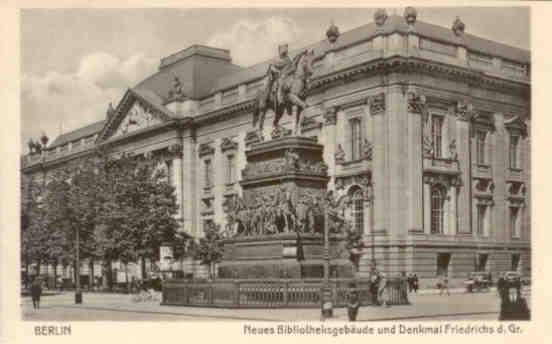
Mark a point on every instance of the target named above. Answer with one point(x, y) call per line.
point(36, 292)
point(382, 291)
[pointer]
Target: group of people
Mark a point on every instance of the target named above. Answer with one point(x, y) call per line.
point(378, 290)
point(512, 305)
point(412, 281)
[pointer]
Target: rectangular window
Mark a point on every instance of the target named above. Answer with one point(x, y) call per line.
point(356, 140)
point(480, 147)
point(230, 169)
point(437, 210)
point(443, 260)
point(514, 222)
point(482, 259)
point(208, 171)
point(481, 219)
point(513, 151)
point(515, 262)
point(437, 136)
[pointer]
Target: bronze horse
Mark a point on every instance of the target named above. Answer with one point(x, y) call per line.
point(293, 87)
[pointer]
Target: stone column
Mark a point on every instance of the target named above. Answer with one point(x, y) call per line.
point(464, 112)
point(330, 121)
point(427, 208)
point(177, 176)
point(379, 166)
point(453, 216)
point(499, 165)
point(414, 192)
point(397, 160)
point(189, 185)
point(368, 210)
point(526, 173)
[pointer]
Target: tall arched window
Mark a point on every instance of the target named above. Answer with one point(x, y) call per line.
point(358, 210)
point(437, 208)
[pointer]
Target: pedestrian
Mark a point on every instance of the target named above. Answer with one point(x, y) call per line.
point(374, 277)
point(410, 281)
point(444, 285)
point(382, 291)
point(404, 285)
point(353, 302)
point(36, 292)
point(502, 289)
point(415, 283)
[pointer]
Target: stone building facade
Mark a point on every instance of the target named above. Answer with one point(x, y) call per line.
point(426, 134)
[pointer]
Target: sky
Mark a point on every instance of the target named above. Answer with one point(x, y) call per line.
point(75, 61)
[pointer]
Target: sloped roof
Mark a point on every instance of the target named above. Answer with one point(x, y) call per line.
point(212, 71)
point(197, 69)
point(85, 131)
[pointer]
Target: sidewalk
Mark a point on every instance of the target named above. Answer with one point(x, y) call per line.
point(423, 306)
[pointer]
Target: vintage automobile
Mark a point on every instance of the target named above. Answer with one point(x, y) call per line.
point(478, 281)
point(512, 276)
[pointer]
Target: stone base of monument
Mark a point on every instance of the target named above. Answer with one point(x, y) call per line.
point(284, 185)
point(284, 255)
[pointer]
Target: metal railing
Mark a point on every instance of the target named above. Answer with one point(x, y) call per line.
point(275, 293)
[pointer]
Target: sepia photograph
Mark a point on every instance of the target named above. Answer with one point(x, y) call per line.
point(275, 164)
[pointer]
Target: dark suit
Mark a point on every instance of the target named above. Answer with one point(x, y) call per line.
point(36, 292)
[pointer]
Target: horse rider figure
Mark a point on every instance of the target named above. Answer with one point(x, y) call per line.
point(279, 70)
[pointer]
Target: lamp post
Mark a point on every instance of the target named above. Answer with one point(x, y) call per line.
point(78, 293)
point(372, 239)
point(327, 306)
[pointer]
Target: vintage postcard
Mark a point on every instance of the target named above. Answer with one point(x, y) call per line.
point(342, 172)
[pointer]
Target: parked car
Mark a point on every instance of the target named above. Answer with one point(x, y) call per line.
point(478, 281)
point(514, 276)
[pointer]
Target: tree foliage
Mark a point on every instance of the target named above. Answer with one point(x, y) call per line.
point(209, 250)
point(123, 208)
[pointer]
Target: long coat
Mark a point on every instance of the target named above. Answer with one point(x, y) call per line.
point(36, 289)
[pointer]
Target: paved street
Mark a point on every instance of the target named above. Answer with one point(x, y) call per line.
point(117, 307)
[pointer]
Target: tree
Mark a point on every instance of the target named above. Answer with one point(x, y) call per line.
point(209, 250)
point(70, 206)
point(33, 247)
point(138, 210)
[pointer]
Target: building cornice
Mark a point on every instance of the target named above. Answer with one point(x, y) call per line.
point(402, 64)
point(211, 116)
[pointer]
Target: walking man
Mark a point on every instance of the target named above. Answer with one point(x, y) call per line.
point(415, 283)
point(36, 292)
point(353, 303)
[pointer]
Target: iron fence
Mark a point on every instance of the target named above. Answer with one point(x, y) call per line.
point(277, 293)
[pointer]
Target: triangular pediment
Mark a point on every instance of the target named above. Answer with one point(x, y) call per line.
point(133, 113)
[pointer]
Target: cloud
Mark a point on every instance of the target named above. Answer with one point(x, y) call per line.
point(255, 41)
point(79, 98)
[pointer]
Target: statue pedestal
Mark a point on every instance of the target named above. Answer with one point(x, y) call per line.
point(285, 255)
point(291, 163)
point(280, 218)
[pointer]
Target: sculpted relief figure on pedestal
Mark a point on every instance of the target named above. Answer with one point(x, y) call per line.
point(275, 212)
point(284, 91)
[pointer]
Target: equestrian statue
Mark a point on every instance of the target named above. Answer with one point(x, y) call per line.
point(285, 88)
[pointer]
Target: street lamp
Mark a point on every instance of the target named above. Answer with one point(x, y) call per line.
point(327, 305)
point(372, 239)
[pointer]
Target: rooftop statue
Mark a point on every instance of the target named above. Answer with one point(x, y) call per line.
point(284, 90)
